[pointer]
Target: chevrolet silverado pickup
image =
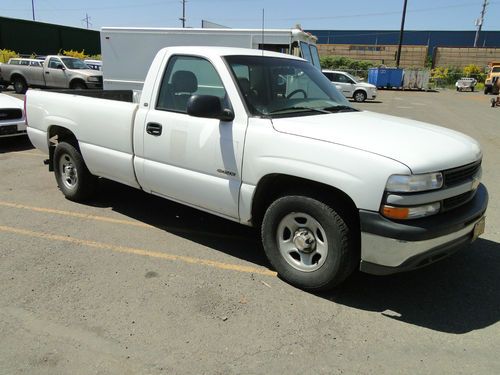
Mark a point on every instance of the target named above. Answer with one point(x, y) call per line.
point(53, 72)
point(265, 139)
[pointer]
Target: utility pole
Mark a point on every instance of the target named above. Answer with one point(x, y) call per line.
point(398, 58)
point(87, 20)
point(479, 22)
point(33, 8)
point(183, 19)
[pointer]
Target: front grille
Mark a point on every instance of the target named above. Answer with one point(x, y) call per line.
point(454, 202)
point(457, 176)
point(10, 114)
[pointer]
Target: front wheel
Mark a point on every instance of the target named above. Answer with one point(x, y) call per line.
point(308, 243)
point(78, 85)
point(359, 96)
point(72, 175)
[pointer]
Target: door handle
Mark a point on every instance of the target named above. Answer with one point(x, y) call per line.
point(153, 128)
point(47, 72)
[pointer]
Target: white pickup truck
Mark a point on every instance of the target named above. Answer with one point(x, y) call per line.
point(265, 139)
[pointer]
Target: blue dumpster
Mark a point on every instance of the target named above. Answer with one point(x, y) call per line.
point(386, 77)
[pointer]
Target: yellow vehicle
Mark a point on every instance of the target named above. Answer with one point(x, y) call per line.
point(490, 86)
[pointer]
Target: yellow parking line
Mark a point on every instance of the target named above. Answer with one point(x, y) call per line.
point(75, 214)
point(113, 221)
point(137, 251)
point(24, 153)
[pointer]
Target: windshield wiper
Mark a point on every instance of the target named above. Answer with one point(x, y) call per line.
point(340, 108)
point(298, 108)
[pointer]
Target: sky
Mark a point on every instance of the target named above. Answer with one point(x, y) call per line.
point(311, 14)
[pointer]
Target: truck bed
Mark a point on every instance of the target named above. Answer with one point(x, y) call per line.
point(102, 121)
point(119, 95)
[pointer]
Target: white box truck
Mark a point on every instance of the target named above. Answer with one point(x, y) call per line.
point(127, 52)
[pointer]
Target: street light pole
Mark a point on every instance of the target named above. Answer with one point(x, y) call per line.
point(398, 58)
point(33, 8)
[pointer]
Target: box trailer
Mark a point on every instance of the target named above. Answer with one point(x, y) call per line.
point(127, 52)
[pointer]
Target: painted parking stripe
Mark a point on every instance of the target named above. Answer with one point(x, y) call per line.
point(138, 251)
point(114, 221)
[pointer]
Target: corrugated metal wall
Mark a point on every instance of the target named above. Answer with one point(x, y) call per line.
point(27, 37)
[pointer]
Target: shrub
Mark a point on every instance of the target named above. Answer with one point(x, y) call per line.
point(357, 67)
point(6, 54)
point(79, 55)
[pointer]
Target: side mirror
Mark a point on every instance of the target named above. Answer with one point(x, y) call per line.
point(60, 66)
point(208, 106)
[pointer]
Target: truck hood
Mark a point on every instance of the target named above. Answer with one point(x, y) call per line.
point(420, 146)
point(7, 101)
point(87, 72)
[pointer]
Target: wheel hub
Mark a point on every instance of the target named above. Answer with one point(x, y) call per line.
point(304, 240)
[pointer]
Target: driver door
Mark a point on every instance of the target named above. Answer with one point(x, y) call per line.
point(344, 83)
point(191, 159)
point(55, 73)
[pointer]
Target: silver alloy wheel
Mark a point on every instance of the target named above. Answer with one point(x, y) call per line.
point(359, 96)
point(68, 171)
point(302, 241)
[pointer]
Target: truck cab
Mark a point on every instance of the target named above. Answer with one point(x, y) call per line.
point(493, 76)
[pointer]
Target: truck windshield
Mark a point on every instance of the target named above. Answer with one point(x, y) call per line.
point(496, 69)
point(278, 87)
point(72, 63)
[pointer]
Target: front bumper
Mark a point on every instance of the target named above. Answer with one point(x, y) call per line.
point(94, 85)
point(12, 128)
point(389, 247)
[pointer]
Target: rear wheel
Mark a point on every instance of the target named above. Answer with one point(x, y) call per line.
point(359, 96)
point(308, 243)
point(72, 175)
point(20, 85)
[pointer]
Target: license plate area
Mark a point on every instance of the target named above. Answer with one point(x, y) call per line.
point(478, 228)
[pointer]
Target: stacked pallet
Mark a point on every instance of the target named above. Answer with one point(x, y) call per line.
point(460, 57)
point(411, 56)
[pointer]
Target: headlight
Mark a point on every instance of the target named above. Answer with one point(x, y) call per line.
point(414, 183)
point(93, 79)
point(403, 213)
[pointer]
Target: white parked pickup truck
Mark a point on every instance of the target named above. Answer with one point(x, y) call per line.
point(265, 139)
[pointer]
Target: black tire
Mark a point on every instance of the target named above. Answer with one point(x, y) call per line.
point(359, 96)
point(72, 175)
point(472, 89)
point(78, 85)
point(487, 90)
point(20, 85)
point(322, 272)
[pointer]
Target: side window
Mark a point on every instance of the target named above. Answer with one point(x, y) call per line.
point(35, 63)
point(24, 62)
point(342, 78)
point(186, 76)
point(306, 52)
point(329, 76)
point(54, 63)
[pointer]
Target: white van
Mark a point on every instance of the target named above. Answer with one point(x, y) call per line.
point(128, 52)
point(350, 86)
